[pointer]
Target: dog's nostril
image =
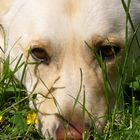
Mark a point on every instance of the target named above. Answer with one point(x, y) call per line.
point(87, 125)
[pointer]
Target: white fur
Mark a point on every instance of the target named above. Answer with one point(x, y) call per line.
point(64, 25)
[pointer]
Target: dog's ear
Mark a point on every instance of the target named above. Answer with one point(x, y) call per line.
point(4, 6)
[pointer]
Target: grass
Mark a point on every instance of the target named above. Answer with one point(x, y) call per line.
point(17, 120)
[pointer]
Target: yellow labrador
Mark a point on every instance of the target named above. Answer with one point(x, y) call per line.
point(58, 35)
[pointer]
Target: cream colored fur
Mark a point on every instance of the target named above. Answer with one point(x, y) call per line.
point(63, 26)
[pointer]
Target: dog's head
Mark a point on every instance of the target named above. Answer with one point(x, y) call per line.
point(69, 46)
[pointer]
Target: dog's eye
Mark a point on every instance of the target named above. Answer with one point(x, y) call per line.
point(40, 55)
point(108, 52)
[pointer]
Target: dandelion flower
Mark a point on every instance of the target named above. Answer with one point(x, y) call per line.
point(32, 118)
point(1, 118)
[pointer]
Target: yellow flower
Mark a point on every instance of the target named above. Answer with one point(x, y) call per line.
point(1, 118)
point(32, 118)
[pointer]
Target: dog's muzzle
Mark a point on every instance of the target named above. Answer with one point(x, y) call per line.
point(74, 130)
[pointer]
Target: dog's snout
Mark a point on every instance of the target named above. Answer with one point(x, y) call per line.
point(68, 133)
point(72, 131)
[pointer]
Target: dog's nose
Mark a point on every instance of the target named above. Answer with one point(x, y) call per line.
point(69, 132)
point(72, 131)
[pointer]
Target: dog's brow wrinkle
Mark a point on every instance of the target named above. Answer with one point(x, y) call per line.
point(71, 8)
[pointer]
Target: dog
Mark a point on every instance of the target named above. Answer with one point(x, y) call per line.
point(60, 42)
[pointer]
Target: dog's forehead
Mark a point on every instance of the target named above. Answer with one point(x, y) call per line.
point(56, 20)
